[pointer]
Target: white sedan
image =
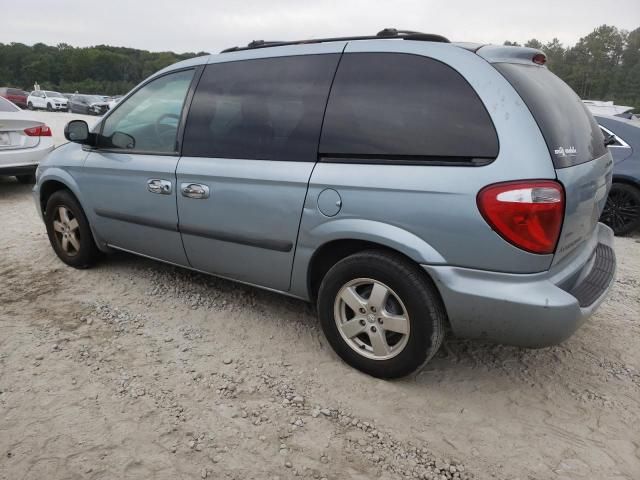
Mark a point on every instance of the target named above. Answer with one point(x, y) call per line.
point(46, 99)
point(24, 142)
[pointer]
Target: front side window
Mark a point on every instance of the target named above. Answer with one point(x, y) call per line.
point(263, 109)
point(148, 120)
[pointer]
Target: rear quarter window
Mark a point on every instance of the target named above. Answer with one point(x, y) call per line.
point(570, 131)
point(404, 107)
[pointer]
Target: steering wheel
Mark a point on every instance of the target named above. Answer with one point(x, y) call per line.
point(167, 131)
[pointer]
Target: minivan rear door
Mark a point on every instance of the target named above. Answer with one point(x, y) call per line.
point(576, 145)
point(250, 145)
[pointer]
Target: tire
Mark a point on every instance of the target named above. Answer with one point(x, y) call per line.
point(30, 106)
point(410, 295)
point(26, 179)
point(49, 107)
point(87, 253)
point(622, 210)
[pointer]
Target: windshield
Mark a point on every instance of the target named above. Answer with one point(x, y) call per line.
point(49, 93)
point(571, 133)
point(7, 106)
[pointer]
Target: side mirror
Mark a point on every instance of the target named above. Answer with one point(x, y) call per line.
point(123, 140)
point(77, 131)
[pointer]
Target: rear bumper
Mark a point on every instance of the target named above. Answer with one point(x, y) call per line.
point(15, 162)
point(533, 310)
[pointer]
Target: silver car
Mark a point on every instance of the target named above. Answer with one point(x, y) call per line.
point(404, 184)
point(24, 142)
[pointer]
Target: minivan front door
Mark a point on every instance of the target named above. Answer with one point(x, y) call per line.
point(130, 177)
point(250, 145)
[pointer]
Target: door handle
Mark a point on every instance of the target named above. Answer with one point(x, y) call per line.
point(194, 190)
point(157, 185)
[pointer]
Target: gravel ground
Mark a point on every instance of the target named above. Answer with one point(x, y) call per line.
point(134, 369)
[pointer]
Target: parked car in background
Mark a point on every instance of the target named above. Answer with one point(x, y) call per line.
point(363, 174)
point(47, 99)
point(598, 107)
point(113, 101)
point(15, 95)
point(622, 210)
point(24, 142)
point(88, 104)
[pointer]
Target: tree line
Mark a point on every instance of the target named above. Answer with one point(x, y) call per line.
point(604, 65)
point(101, 69)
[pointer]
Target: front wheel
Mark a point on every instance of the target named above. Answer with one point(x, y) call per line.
point(622, 210)
point(381, 313)
point(68, 230)
point(49, 107)
point(30, 106)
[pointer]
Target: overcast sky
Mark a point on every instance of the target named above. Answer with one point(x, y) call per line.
point(210, 25)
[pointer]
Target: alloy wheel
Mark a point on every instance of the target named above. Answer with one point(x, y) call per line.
point(67, 231)
point(372, 319)
point(620, 210)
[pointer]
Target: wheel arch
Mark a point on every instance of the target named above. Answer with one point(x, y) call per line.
point(628, 180)
point(56, 180)
point(338, 243)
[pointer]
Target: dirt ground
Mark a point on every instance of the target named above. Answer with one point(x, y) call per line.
point(134, 369)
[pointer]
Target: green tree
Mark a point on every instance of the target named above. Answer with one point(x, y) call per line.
point(534, 43)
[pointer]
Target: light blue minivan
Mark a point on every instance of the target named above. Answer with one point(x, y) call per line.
point(405, 184)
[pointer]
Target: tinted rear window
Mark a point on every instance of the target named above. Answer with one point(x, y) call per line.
point(405, 107)
point(571, 133)
point(263, 109)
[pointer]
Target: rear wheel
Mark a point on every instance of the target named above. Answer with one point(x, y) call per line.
point(381, 314)
point(622, 210)
point(26, 179)
point(68, 230)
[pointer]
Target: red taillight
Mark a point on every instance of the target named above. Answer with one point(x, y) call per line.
point(527, 214)
point(539, 58)
point(39, 131)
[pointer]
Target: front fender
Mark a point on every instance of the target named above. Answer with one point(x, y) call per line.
point(57, 174)
point(381, 233)
point(62, 176)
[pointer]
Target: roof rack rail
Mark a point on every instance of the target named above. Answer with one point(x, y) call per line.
point(385, 33)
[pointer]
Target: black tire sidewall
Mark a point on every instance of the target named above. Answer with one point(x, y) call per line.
point(419, 298)
point(87, 254)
